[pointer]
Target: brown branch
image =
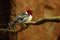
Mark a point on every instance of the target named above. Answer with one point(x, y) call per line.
point(43, 20)
point(38, 22)
point(8, 30)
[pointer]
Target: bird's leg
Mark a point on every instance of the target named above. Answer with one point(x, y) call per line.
point(23, 27)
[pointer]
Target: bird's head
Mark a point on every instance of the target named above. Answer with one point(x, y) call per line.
point(29, 11)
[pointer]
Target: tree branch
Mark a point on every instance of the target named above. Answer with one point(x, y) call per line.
point(43, 20)
point(38, 22)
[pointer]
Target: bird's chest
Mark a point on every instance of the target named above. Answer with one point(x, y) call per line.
point(28, 19)
point(24, 18)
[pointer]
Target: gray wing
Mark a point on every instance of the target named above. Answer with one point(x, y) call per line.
point(19, 19)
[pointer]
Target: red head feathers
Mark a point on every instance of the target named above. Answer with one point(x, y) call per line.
point(29, 11)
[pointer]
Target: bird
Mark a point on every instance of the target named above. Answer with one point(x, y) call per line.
point(21, 18)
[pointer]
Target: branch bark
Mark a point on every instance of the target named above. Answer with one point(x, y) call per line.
point(43, 20)
point(38, 22)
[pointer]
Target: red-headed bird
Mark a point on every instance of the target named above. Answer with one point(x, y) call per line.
point(22, 18)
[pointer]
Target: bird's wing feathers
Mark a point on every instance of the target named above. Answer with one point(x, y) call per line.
point(23, 18)
point(20, 19)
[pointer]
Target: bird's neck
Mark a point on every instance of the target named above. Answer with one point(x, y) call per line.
point(28, 13)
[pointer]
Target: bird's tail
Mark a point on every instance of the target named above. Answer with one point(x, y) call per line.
point(9, 27)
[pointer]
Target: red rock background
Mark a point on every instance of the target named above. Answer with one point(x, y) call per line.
point(41, 9)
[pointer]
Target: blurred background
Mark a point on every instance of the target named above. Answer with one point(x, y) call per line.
point(41, 9)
